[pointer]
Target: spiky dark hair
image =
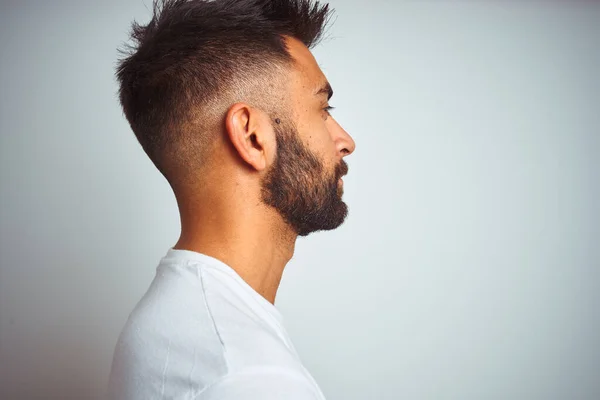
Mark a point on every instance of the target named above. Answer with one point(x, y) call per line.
point(193, 51)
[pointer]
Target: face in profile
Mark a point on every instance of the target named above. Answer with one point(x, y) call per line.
point(299, 187)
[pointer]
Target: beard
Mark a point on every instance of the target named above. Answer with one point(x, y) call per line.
point(308, 197)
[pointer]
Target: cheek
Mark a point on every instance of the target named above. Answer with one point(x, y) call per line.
point(318, 138)
point(314, 132)
point(319, 142)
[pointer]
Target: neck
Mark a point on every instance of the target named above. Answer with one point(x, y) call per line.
point(250, 237)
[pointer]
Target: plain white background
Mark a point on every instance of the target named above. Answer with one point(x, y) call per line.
point(469, 266)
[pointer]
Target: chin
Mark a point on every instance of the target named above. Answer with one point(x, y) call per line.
point(327, 222)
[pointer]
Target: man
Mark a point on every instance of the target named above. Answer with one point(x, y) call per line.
point(228, 102)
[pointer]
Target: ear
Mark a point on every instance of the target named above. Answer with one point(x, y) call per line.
point(249, 132)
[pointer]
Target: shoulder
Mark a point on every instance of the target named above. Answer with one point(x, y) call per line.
point(266, 383)
point(169, 335)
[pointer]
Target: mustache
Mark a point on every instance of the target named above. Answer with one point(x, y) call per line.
point(341, 170)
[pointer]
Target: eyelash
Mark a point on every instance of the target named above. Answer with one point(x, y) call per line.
point(328, 109)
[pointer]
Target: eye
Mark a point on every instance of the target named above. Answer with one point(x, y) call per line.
point(328, 109)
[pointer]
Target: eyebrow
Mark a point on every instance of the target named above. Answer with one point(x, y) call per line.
point(325, 89)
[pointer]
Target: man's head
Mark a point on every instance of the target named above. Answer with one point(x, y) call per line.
point(231, 86)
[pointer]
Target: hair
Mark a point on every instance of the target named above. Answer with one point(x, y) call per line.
point(197, 57)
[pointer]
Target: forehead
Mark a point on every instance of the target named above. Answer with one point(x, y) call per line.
point(308, 73)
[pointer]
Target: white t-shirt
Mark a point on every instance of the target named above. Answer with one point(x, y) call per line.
point(201, 332)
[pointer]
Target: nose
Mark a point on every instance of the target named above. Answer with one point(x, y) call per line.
point(344, 142)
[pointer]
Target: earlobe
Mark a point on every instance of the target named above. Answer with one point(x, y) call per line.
point(243, 127)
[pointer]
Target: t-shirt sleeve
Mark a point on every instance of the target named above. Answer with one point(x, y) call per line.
point(263, 385)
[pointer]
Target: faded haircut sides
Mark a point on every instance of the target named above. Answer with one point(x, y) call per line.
point(194, 58)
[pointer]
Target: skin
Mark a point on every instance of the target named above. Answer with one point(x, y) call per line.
point(254, 199)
